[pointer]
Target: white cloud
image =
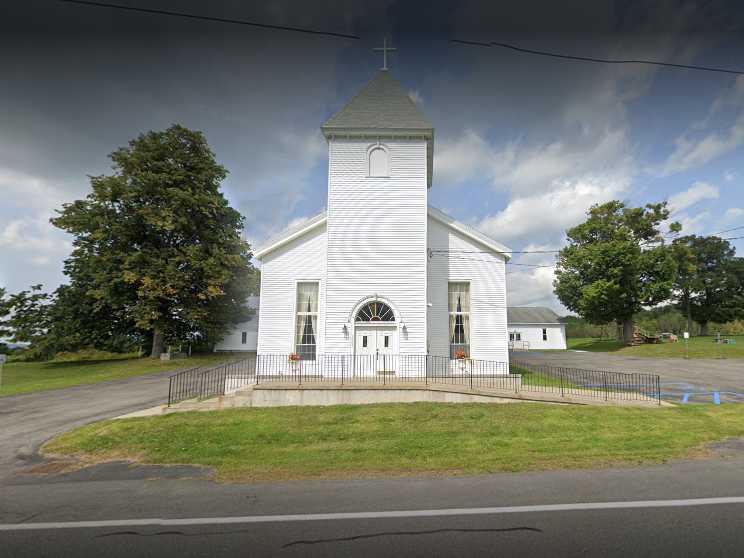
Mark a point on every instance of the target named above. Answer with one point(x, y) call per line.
point(533, 288)
point(696, 193)
point(544, 217)
point(416, 97)
point(729, 176)
point(27, 191)
point(693, 151)
point(693, 224)
point(520, 168)
point(732, 214)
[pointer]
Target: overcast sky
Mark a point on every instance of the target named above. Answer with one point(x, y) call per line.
point(524, 144)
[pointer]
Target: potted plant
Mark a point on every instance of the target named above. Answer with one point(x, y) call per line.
point(294, 361)
point(462, 359)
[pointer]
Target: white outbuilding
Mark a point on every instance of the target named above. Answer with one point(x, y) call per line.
point(381, 272)
point(535, 328)
point(244, 336)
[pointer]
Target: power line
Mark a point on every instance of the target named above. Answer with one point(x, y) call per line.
point(210, 18)
point(597, 60)
point(727, 230)
point(465, 259)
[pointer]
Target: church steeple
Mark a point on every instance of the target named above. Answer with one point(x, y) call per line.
point(382, 109)
point(382, 104)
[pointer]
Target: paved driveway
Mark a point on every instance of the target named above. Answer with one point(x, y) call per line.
point(693, 380)
point(30, 419)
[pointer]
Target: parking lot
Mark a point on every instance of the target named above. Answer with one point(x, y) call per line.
point(683, 381)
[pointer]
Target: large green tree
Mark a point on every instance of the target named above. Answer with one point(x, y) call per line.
point(157, 243)
point(708, 281)
point(615, 264)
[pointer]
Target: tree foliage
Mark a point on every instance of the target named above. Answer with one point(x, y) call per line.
point(708, 287)
point(615, 264)
point(157, 244)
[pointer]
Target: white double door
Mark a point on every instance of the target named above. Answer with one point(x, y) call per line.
point(377, 347)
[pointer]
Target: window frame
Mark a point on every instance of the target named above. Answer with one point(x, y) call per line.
point(243, 337)
point(385, 150)
point(467, 347)
point(545, 334)
point(296, 313)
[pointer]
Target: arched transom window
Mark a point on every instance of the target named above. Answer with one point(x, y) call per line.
point(375, 311)
point(378, 162)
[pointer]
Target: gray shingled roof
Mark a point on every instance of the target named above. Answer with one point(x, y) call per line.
point(381, 104)
point(531, 315)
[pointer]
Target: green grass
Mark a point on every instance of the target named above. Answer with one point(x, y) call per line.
point(24, 377)
point(699, 347)
point(405, 439)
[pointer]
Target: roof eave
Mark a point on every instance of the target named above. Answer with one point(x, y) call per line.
point(311, 224)
point(371, 131)
point(480, 238)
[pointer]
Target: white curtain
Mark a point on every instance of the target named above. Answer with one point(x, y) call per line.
point(307, 297)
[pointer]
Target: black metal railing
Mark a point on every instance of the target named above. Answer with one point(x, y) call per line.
point(208, 381)
point(383, 369)
point(579, 382)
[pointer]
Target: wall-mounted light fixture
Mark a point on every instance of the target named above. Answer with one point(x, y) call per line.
point(345, 330)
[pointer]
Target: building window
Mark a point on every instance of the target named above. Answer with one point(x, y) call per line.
point(306, 324)
point(545, 334)
point(459, 318)
point(244, 337)
point(364, 340)
point(516, 336)
point(378, 162)
point(375, 311)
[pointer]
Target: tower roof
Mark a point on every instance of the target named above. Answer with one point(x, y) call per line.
point(382, 104)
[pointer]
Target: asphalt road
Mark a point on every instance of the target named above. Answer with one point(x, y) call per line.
point(700, 379)
point(230, 520)
point(30, 419)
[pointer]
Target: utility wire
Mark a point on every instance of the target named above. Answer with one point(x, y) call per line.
point(597, 60)
point(727, 230)
point(210, 18)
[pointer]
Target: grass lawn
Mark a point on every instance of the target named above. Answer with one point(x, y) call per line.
point(699, 347)
point(23, 377)
point(405, 439)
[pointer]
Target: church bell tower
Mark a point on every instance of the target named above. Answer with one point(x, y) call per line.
point(380, 151)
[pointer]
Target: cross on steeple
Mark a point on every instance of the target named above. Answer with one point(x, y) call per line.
point(384, 49)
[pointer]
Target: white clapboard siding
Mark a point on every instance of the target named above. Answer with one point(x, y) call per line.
point(486, 274)
point(377, 238)
point(302, 259)
point(532, 334)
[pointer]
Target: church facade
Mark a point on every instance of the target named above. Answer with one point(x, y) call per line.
point(381, 272)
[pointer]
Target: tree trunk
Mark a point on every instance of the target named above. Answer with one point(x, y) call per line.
point(703, 328)
point(689, 315)
point(628, 331)
point(157, 343)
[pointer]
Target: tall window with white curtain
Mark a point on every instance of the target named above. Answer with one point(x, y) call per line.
point(459, 318)
point(306, 323)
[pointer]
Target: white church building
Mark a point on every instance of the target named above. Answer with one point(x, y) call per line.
point(381, 272)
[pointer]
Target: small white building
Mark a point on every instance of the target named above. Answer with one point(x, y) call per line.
point(535, 328)
point(244, 337)
point(381, 272)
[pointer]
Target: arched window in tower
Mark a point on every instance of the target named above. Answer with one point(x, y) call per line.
point(379, 165)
